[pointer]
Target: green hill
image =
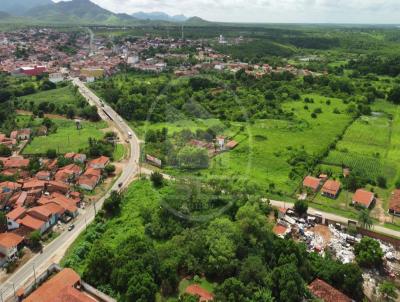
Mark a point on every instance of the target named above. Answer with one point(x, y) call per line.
point(20, 7)
point(78, 11)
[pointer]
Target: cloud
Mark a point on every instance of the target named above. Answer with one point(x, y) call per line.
point(309, 11)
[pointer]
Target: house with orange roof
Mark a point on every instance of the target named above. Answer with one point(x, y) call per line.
point(312, 183)
point(33, 185)
point(43, 175)
point(280, 230)
point(99, 163)
point(57, 186)
point(394, 203)
point(201, 293)
point(14, 216)
point(76, 157)
point(363, 198)
point(32, 224)
point(9, 245)
point(324, 291)
point(331, 188)
point(90, 179)
point(9, 186)
point(66, 285)
point(49, 213)
point(16, 162)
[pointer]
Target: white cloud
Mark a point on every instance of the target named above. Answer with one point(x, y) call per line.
point(309, 11)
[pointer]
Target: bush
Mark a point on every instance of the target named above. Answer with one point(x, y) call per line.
point(51, 153)
point(368, 253)
point(301, 208)
point(157, 179)
point(5, 151)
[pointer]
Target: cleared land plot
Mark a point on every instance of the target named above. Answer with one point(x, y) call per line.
point(263, 151)
point(61, 97)
point(67, 138)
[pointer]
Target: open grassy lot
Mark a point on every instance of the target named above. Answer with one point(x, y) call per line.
point(67, 138)
point(177, 126)
point(139, 197)
point(265, 146)
point(60, 98)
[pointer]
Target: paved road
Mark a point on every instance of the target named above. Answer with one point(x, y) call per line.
point(41, 261)
point(335, 217)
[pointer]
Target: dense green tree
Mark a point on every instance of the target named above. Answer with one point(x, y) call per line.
point(394, 95)
point(99, 265)
point(3, 222)
point(112, 203)
point(157, 179)
point(142, 288)
point(368, 253)
point(301, 207)
point(51, 153)
point(231, 290)
point(287, 283)
point(5, 151)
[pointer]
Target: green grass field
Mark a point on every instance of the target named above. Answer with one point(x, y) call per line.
point(119, 152)
point(59, 97)
point(177, 126)
point(264, 146)
point(67, 138)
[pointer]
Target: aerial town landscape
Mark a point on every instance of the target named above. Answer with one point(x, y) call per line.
point(147, 156)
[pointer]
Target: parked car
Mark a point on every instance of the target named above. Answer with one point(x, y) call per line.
point(71, 227)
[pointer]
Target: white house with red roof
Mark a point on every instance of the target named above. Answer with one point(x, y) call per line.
point(9, 243)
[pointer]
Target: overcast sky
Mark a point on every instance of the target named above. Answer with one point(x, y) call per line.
point(286, 11)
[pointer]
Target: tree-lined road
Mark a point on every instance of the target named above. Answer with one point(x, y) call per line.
point(58, 246)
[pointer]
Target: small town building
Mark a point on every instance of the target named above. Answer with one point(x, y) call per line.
point(312, 183)
point(322, 290)
point(331, 188)
point(201, 293)
point(9, 245)
point(66, 285)
point(363, 198)
point(394, 203)
point(99, 163)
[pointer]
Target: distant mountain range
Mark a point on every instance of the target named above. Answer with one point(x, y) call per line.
point(159, 16)
point(79, 12)
point(20, 7)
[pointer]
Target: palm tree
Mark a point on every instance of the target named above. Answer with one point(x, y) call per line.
point(365, 219)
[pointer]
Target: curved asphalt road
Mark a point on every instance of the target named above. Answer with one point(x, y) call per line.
point(41, 261)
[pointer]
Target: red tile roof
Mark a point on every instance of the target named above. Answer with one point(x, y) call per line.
point(196, 290)
point(102, 160)
point(60, 288)
point(9, 240)
point(231, 144)
point(394, 203)
point(311, 182)
point(331, 187)
point(326, 292)
point(31, 223)
point(16, 213)
point(16, 162)
point(363, 197)
point(279, 229)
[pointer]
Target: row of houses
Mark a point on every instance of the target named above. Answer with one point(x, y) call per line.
point(38, 202)
point(331, 188)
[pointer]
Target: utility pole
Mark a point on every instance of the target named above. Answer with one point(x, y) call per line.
point(34, 273)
